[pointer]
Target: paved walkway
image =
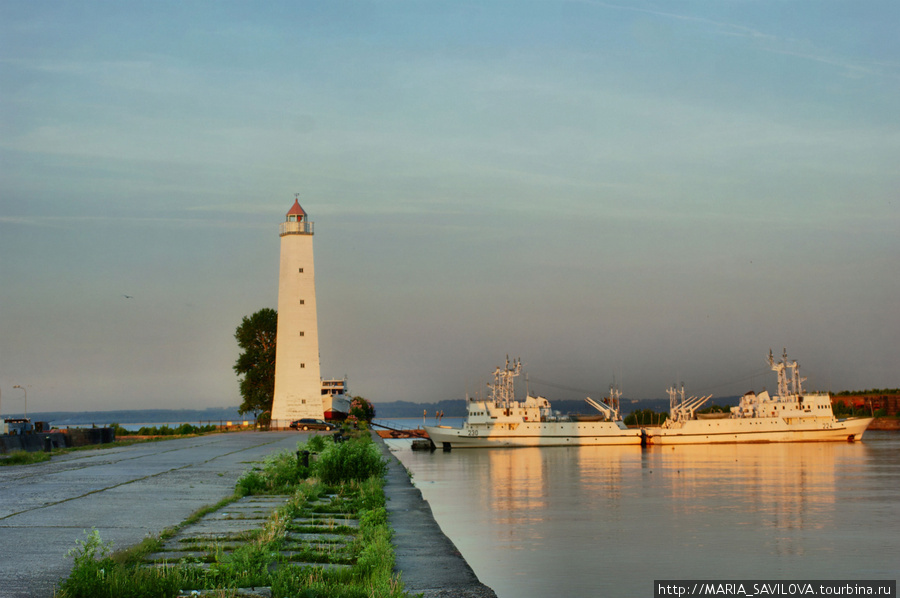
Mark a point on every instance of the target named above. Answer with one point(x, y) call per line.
point(127, 493)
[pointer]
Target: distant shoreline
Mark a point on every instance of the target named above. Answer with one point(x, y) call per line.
point(391, 410)
point(136, 416)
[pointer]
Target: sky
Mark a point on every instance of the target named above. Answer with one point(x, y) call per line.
point(635, 192)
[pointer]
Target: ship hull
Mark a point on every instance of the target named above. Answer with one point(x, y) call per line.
point(529, 434)
point(740, 430)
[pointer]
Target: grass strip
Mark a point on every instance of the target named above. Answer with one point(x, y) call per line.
point(346, 478)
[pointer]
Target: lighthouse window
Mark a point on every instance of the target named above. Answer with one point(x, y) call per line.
point(301, 270)
point(301, 333)
point(302, 365)
point(302, 302)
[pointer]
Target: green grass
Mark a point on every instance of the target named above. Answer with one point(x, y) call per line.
point(356, 460)
point(24, 458)
point(182, 430)
point(100, 573)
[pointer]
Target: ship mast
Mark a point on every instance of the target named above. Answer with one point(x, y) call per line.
point(779, 368)
point(614, 395)
point(503, 389)
point(674, 403)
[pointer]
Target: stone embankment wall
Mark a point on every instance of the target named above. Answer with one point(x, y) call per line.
point(885, 423)
point(39, 441)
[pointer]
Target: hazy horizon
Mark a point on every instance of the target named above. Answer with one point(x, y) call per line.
point(612, 191)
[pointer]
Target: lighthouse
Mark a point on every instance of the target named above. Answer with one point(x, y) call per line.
point(298, 386)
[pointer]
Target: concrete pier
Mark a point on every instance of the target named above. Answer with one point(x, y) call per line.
point(128, 493)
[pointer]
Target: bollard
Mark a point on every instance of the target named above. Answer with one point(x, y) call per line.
point(303, 458)
point(48, 444)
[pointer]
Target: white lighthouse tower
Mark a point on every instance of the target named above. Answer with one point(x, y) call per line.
point(298, 386)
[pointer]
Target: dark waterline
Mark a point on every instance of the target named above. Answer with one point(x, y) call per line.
point(607, 521)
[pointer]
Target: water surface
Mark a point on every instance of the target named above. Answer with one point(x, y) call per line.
point(607, 521)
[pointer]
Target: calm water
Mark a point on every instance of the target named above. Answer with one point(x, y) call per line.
point(607, 521)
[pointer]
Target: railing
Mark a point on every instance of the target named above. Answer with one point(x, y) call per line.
point(297, 228)
point(392, 425)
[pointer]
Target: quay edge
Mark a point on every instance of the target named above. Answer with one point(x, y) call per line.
point(427, 560)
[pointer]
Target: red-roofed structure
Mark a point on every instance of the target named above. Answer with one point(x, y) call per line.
point(296, 211)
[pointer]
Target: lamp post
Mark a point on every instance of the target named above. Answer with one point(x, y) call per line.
point(25, 416)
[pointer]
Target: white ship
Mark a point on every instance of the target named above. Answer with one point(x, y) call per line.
point(789, 416)
point(502, 421)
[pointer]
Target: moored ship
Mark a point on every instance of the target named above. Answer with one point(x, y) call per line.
point(789, 416)
point(503, 421)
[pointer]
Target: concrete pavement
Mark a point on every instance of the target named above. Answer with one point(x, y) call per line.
point(128, 493)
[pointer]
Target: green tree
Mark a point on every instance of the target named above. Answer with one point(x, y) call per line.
point(256, 364)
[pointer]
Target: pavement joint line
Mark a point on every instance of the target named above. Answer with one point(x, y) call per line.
point(77, 457)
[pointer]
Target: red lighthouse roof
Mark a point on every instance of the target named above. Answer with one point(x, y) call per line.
point(296, 210)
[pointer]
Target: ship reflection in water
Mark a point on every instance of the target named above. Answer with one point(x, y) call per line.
point(607, 521)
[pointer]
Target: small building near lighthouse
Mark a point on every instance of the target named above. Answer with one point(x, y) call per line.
point(299, 389)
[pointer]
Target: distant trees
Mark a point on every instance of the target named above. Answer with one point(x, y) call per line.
point(874, 391)
point(256, 364)
point(182, 430)
point(645, 417)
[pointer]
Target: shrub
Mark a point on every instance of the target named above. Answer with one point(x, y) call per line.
point(362, 409)
point(120, 431)
point(315, 444)
point(251, 482)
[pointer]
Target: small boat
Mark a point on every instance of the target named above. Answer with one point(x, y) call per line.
point(503, 421)
point(789, 416)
